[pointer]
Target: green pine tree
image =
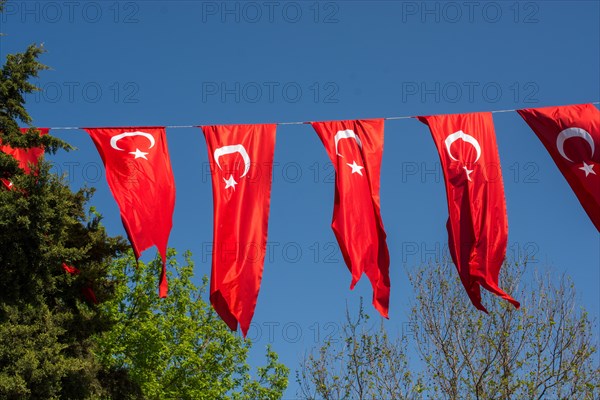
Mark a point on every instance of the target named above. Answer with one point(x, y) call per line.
point(55, 344)
point(46, 351)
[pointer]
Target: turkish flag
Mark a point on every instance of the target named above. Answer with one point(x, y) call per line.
point(571, 134)
point(241, 166)
point(25, 157)
point(355, 149)
point(138, 171)
point(477, 227)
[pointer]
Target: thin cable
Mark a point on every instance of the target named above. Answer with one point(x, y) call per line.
point(67, 128)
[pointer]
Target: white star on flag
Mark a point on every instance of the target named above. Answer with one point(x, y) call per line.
point(356, 169)
point(139, 154)
point(230, 183)
point(588, 169)
point(468, 171)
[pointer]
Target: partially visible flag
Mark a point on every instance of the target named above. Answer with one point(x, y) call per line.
point(71, 270)
point(241, 165)
point(138, 171)
point(571, 134)
point(477, 226)
point(355, 149)
point(86, 291)
point(25, 157)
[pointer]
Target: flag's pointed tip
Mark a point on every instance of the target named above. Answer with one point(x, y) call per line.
point(355, 279)
point(383, 310)
point(163, 290)
point(136, 252)
point(163, 283)
point(480, 307)
point(244, 329)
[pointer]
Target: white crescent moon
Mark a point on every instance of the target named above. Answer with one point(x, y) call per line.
point(234, 148)
point(466, 138)
point(569, 133)
point(116, 138)
point(347, 134)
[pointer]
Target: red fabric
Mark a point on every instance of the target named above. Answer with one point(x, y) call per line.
point(87, 292)
point(574, 130)
point(355, 149)
point(6, 183)
point(138, 171)
point(241, 158)
point(25, 157)
point(477, 227)
point(70, 269)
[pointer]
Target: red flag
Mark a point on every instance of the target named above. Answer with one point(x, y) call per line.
point(477, 227)
point(6, 183)
point(138, 171)
point(69, 269)
point(355, 149)
point(86, 291)
point(88, 294)
point(571, 134)
point(241, 165)
point(25, 157)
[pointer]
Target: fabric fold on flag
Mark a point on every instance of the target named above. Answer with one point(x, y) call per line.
point(477, 225)
point(241, 162)
point(138, 171)
point(355, 149)
point(571, 134)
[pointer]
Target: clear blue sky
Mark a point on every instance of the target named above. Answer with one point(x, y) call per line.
point(191, 62)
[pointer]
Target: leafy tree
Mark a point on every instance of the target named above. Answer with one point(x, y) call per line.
point(56, 345)
point(363, 363)
point(178, 347)
point(45, 325)
point(544, 350)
